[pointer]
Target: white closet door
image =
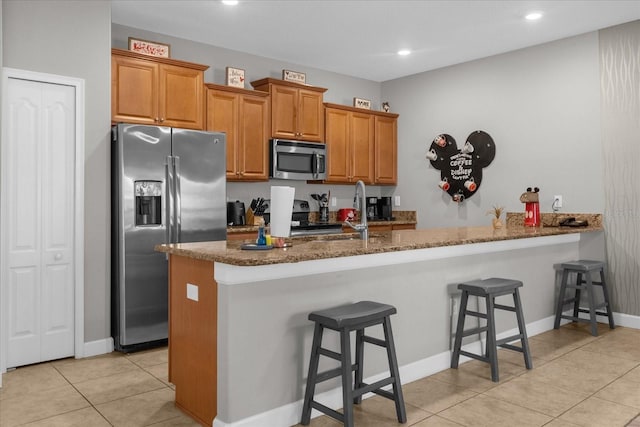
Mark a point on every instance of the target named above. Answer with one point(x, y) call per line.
point(40, 173)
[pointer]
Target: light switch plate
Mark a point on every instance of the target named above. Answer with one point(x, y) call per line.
point(396, 200)
point(334, 201)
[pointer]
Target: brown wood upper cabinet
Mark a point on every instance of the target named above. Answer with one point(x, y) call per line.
point(244, 116)
point(156, 91)
point(386, 149)
point(296, 109)
point(350, 145)
point(362, 145)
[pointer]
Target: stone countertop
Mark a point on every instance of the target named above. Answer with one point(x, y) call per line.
point(348, 244)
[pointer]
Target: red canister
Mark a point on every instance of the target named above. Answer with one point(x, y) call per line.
point(346, 214)
point(532, 214)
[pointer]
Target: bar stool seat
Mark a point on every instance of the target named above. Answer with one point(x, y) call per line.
point(490, 289)
point(583, 270)
point(345, 319)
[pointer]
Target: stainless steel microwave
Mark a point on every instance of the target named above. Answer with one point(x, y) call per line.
point(297, 160)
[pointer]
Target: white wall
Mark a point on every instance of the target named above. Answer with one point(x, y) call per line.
point(541, 105)
point(72, 38)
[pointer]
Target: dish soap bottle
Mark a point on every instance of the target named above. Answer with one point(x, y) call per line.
point(262, 239)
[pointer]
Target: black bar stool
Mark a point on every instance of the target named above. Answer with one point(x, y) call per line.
point(490, 289)
point(584, 282)
point(344, 319)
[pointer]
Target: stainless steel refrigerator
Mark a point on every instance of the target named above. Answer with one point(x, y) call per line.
point(168, 185)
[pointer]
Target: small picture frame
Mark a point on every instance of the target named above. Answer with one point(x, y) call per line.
point(294, 76)
point(365, 104)
point(235, 77)
point(386, 107)
point(147, 47)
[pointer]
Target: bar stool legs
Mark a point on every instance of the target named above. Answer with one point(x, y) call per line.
point(584, 282)
point(490, 289)
point(345, 319)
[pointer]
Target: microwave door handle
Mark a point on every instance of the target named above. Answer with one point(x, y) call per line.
point(315, 165)
point(177, 200)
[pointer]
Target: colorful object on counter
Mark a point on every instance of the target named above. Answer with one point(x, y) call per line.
point(346, 214)
point(262, 239)
point(461, 169)
point(532, 207)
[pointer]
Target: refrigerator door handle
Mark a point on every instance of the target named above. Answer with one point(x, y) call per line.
point(168, 226)
point(177, 201)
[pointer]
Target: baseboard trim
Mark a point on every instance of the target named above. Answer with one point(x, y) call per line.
point(290, 414)
point(98, 347)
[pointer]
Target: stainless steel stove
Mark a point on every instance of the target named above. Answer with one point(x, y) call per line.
point(300, 217)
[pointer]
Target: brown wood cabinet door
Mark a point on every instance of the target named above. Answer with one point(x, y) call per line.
point(386, 150)
point(134, 95)
point(338, 147)
point(222, 116)
point(362, 147)
point(181, 97)
point(254, 134)
point(310, 116)
point(284, 101)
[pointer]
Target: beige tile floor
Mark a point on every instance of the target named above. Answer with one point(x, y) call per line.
point(577, 380)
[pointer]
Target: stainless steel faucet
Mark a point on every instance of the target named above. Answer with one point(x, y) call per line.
point(361, 228)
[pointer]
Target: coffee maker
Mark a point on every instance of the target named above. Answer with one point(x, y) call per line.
point(384, 208)
point(372, 208)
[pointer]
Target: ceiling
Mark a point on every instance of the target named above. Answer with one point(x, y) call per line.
point(360, 38)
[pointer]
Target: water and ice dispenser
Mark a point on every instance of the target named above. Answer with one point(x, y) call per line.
point(148, 203)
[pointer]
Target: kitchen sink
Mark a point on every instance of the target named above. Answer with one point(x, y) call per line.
point(343, 236)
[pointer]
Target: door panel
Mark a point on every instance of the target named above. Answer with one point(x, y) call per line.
point(202, 159)
point(141, 279)
point(40, 197)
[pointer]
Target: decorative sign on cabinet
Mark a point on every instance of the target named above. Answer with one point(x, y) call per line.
point(296, 109)
point(156, 91)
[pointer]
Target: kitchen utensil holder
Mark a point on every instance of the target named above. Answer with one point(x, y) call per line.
point(253, 219)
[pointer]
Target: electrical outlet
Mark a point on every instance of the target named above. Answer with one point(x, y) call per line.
point(557, 201)
point(334, 201)
point(396, 200)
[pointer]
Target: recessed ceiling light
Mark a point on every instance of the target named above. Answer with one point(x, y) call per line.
point(533, 16)
point(230, 2)
point(404, 52)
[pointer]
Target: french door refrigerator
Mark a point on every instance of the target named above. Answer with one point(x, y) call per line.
point(168, 186)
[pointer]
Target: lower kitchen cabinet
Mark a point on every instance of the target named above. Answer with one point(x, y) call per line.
point(244, 116)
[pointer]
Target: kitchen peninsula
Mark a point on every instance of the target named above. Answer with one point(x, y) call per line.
point(239, 336)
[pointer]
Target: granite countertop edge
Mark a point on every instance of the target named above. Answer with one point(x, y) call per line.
point(348, 244)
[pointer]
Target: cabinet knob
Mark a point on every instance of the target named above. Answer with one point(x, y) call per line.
point(162, 120)
point(58, 256)
point(157, 119)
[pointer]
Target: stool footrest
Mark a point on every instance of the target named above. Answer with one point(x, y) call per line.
point(570, 300)
point(372, 387)
point(511, 347)
point(329, 353)
point(504, 307)
point(581, 287)
point(327, 411)
point(509, 339)
point(376, 341)
point(332, 373)
point(474, 331)
point(474, 356)
point(475, 314)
